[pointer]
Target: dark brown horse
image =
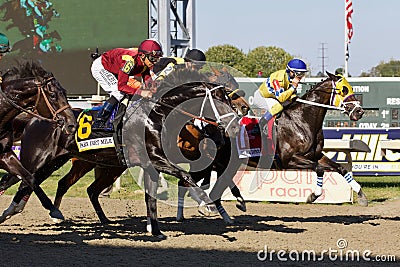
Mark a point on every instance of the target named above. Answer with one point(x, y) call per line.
point(145, 148)
point(299, 135)
point(31, 89)
point(188, 142)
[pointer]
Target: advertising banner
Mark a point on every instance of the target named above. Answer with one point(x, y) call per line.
point(372, 163)
point(289, 186)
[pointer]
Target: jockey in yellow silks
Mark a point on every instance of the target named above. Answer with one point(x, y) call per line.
point(278, 88)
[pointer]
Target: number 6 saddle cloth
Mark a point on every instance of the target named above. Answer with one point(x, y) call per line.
point(86, 139)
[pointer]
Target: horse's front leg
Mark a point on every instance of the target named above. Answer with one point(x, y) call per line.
point(151, 185)
point(301, 162)
point(24, 191)
point(78, 170)
point(7, 180)
point(318, 189)
point(330, 165)
point(10, 163)
point(181, 201)
point(104, 178)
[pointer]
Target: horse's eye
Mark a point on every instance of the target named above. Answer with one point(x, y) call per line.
point(52, 95)
point(345, 90)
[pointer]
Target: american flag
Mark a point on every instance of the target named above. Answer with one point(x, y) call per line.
point(349, 24)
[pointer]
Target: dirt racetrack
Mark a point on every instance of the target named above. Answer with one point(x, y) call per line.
point(32, 239)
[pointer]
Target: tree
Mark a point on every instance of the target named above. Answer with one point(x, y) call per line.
point(389, 69)
point(227, 55)
point(266, 59)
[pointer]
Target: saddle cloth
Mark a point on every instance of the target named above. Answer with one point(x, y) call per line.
point(248, 141)
point(86, 139)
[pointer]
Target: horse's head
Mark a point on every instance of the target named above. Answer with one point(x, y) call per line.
point(223, 77)
point(30, 87)
point(201, 99)
point(343, 97)
point(240, 105)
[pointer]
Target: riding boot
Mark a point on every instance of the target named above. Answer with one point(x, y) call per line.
point(263, 122)
point(104, 114)
point(266, 134)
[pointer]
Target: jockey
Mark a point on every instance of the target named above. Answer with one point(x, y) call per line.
point(166, 65)
point(113, 68)
point(278, 88)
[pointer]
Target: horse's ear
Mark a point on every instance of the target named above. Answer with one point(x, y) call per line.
point(331, 75)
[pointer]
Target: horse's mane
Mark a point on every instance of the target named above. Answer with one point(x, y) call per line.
point(314, 86)
point(180, 77)
point(26, 69)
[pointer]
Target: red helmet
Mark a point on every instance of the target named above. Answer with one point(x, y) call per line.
point(150, 46)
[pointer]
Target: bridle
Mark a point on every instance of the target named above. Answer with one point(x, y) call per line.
point(218, 117)
point(40, 86)
point(341, 107)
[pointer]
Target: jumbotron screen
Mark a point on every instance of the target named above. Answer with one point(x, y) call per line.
point(61, 34)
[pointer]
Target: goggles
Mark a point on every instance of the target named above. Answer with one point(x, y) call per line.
point(299, 74)
point(154, 56)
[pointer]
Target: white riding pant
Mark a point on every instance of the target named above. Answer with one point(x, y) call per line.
point(264, 103)
point(106, 79)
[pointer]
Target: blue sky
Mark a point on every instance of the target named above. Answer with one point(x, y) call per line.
point(299, 27)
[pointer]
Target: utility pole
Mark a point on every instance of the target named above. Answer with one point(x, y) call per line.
point(323, 57)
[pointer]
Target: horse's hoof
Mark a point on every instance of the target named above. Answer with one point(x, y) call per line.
point(311, 198)
point(362, 199)
point(56, 215)
point(208, 210)
point(180, 219)
point(228, 220)
point(149, 229)
point(4, 218)
point(54, 220)
point(240, 204)
point(160, 236)
point(105, 221)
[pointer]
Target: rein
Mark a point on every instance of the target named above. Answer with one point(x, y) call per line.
point(184, 112)
point(48, 104)
point(319, 104)
point(342, 105)
point(209, 97)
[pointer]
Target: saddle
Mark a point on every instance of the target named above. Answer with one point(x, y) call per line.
point(86, 139)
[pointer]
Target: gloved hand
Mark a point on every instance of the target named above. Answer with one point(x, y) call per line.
point(152, 86)
point(146, 94)
point(295, 82)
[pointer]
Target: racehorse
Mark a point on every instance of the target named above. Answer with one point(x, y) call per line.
point(299, 139)
point(299, 135)
point(31, 89)
point(188, 142)
point(145, 123)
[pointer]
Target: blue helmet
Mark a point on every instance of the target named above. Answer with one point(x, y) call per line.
point(296, 65)
point(4, 44)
